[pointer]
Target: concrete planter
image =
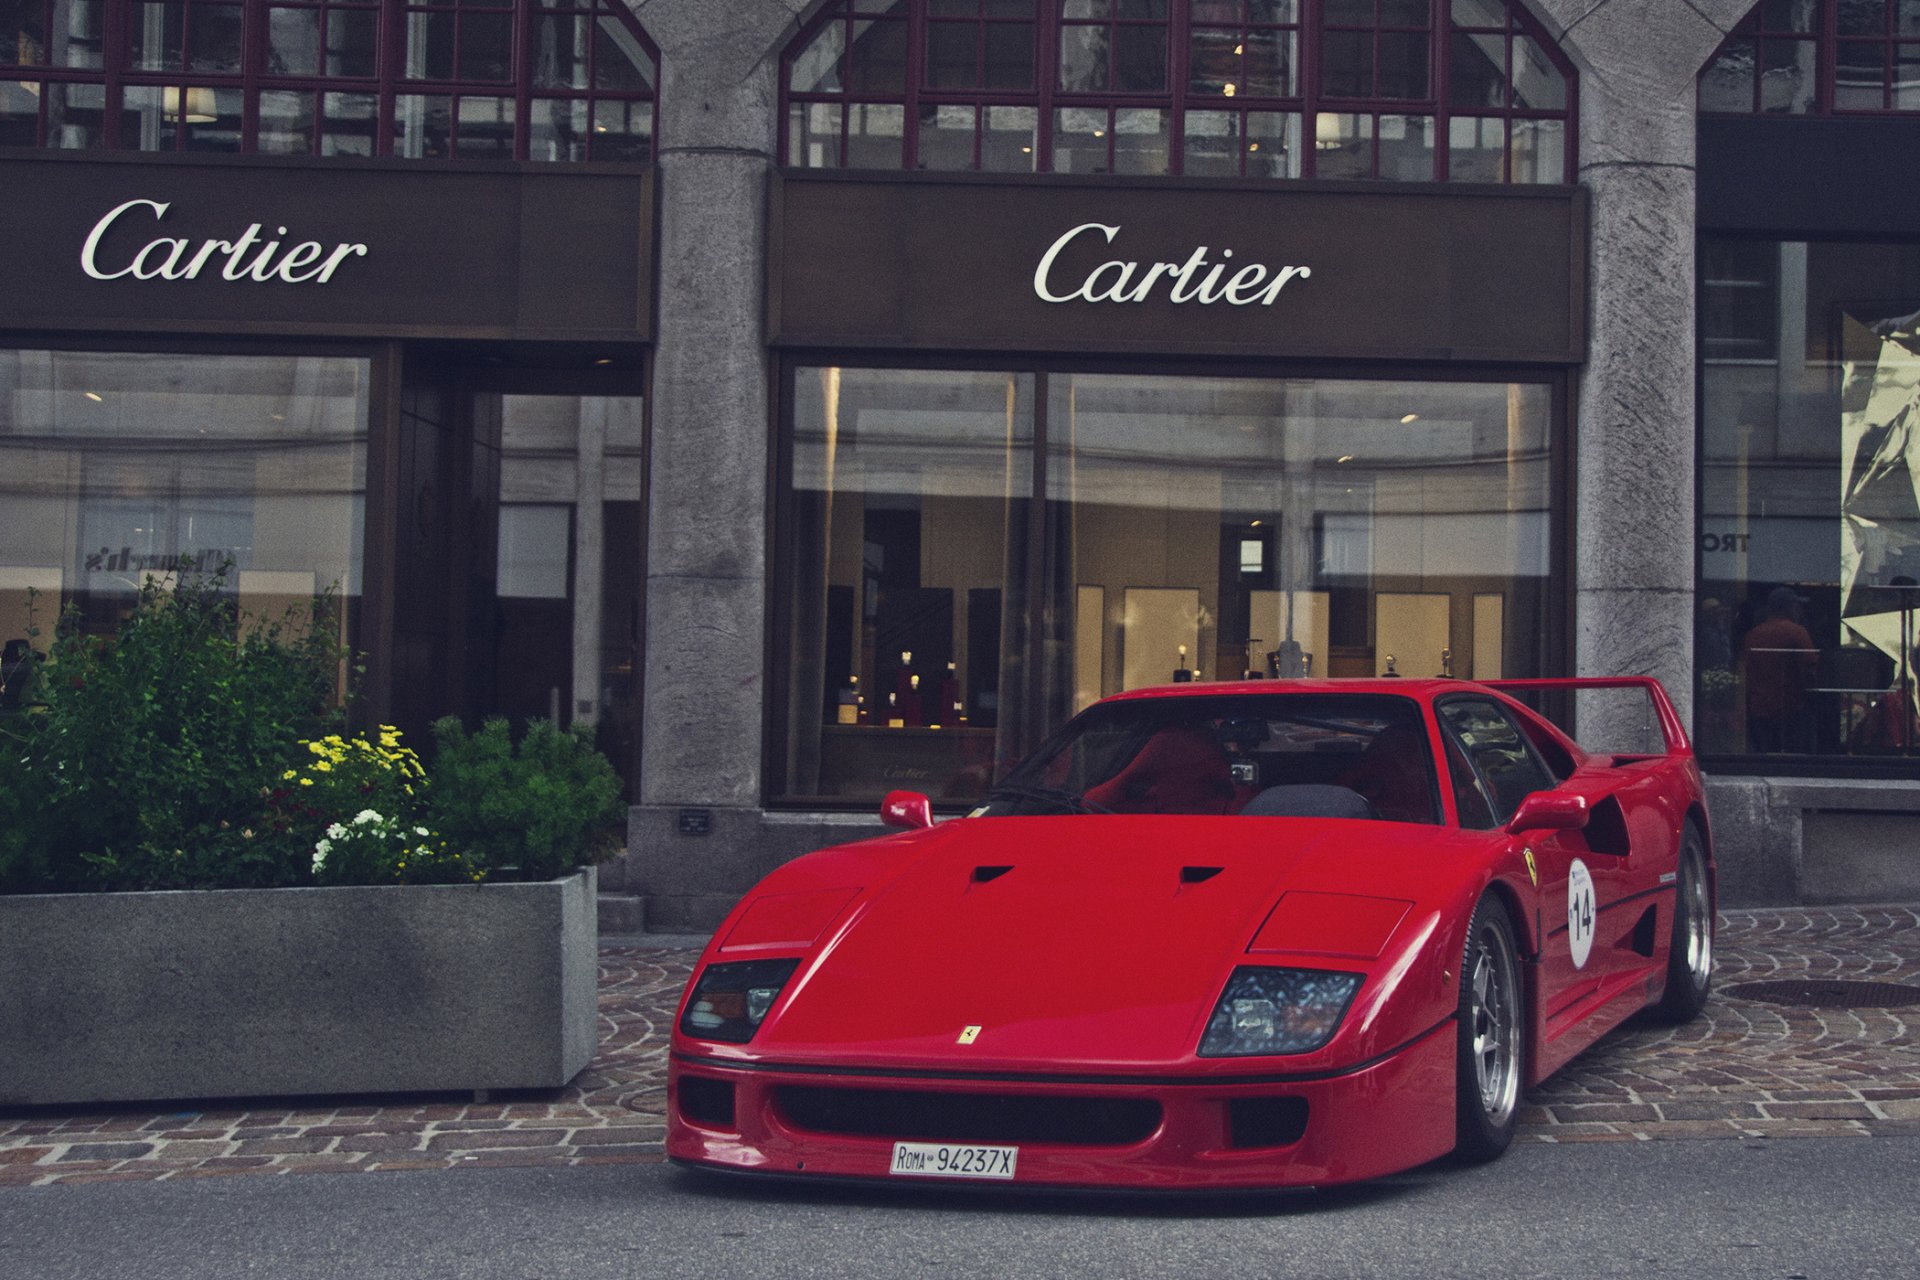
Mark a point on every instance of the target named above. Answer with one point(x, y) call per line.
point(260, 992)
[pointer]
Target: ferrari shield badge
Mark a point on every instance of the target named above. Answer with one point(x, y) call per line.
point(969, 1034)
point(1533, 872)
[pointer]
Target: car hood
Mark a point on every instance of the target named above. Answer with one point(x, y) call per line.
point(1085, 944)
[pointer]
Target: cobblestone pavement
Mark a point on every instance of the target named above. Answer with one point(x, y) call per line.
point(1744, 1069)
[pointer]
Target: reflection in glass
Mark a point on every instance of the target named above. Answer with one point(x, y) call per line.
point(946, 137)
point(19, 112)
point(1810, 499)
point(876, 135)
point(119, 466)
point(1314, 492)
point(1192, 529)
point(348, 128)
point(909, 493)
point(1010, 141)
point(286, 122)
point(1539, 151)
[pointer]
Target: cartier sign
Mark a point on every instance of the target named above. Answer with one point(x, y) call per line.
point(248, 256)
point(1047, 263)
point(1120, 280)
point(281, 247)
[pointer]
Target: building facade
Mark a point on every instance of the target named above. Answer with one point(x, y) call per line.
point(826, 398)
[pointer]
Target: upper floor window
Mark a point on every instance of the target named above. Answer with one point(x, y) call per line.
point(1413, 90)
point(417, 79)
point(1818, 57)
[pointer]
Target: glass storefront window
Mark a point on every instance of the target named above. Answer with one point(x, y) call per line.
point(910, 492)
point(1809, 500)
point(1029, 543)
point(566, 608)
point(116, 467)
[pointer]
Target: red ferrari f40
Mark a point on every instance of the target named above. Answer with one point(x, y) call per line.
point(1272, 933)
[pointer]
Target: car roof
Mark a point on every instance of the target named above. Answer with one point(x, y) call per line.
point(1422, 687)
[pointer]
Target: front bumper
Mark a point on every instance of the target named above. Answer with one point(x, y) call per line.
point(1253, 1131)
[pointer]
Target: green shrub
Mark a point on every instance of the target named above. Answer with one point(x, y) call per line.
point(145, 756)
point(185, 752)
point(549, 806)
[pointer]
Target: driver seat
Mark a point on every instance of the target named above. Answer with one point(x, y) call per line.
point(1180, 770)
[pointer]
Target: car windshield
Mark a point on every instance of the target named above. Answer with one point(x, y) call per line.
point(1317, 755)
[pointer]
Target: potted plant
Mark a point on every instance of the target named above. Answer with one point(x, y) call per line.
point(210, 887)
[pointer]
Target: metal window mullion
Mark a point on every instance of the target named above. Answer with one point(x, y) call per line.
point(1179, 72)
point(253, 60)
point(113, 59)
point(1034, 694)
point(1046, 70)
point(914, 73)
point(846, 82)
point(393, 57)
point(520, 67)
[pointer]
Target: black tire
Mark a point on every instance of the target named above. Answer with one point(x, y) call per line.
point(1690, 957)
point(1491, 1056)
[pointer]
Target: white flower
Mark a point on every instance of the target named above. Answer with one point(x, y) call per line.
point(320, 852)
point(365, 816)
point(336, 831)
point(421, 831)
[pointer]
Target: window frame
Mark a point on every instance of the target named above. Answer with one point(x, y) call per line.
point(1828, 42)
point(1306, 105)
point(388, 82)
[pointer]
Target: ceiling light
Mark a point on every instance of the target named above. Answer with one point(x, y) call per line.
point(1099, 133)
point(94, 396)
point(1253, 146)
point(1412, 417)
point(1239, 49)
point(1345, 457)
point(1227, 89)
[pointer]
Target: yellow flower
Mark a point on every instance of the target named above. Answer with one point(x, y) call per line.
point(306, 782)
point(323, 767)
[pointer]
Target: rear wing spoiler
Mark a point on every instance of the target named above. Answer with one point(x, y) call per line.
point(1670, 727)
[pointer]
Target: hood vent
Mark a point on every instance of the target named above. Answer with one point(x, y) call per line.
point(981, 875)
point(1198, 875)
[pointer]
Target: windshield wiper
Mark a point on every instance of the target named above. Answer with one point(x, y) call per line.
point(1072, 801)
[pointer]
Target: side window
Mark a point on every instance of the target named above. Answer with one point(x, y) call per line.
point(1558, 762)
point(1497, 750)
point(1468, 795)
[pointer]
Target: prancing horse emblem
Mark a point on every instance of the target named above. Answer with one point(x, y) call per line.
point(969, 1034)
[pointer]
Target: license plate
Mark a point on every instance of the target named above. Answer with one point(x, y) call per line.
point(952, 1160)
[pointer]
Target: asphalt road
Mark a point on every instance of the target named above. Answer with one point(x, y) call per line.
point(1805, 1208)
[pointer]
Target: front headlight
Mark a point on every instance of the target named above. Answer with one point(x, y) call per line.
point(1277, 1011)
point(731, 1000)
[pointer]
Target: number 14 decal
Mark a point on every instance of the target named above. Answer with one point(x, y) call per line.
point(1580, 913)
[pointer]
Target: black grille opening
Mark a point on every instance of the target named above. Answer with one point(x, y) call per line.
point(1266, 1122)
point(969, 1117)
point(706, 1102)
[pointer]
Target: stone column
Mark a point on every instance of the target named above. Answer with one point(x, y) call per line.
point(708, 502)
point(1634, 421)
point(707, 523)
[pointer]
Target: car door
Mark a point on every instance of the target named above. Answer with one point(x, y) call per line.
point(1484, 740)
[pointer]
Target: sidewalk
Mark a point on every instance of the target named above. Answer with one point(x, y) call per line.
point(1744, 1069)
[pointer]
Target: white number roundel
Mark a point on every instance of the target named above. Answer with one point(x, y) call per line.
point(1579, 913)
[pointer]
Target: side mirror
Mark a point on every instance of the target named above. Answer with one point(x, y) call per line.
point(907, 809)
point(1549, 811)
